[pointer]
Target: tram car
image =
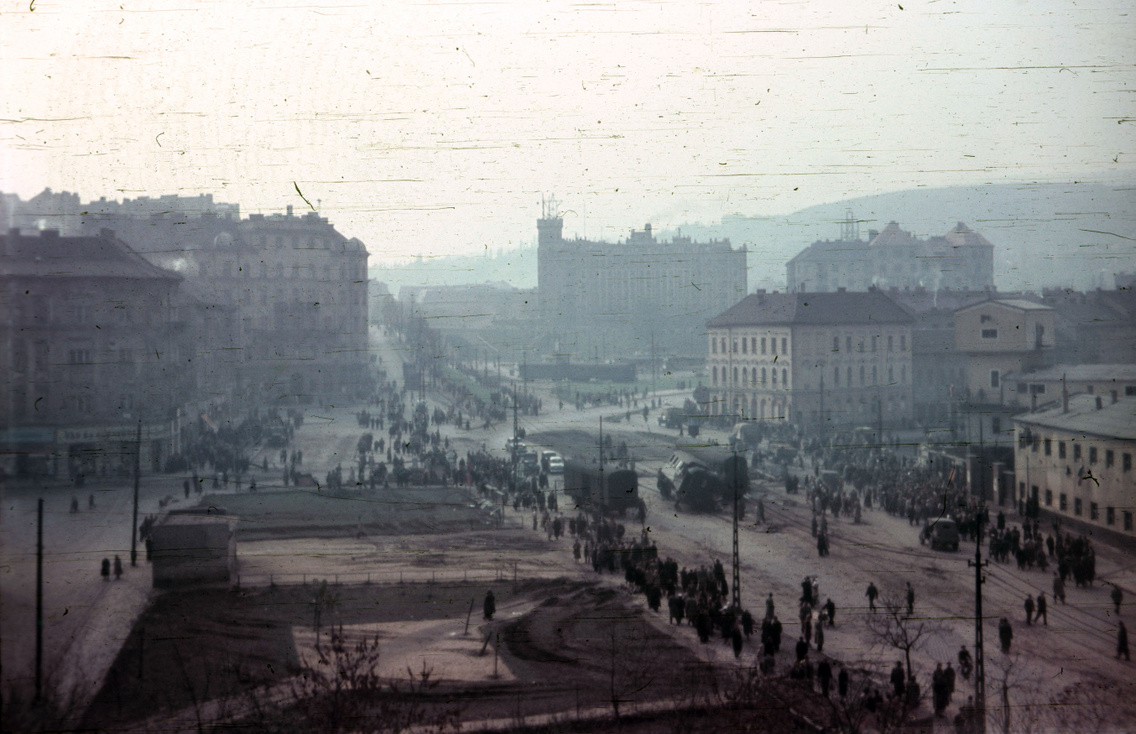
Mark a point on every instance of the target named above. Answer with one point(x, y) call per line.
point(617, 492)
point(703, 479)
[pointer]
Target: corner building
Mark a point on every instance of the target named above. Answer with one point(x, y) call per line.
point(816, 359)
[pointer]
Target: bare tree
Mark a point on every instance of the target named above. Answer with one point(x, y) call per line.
point(892, 627)
point(628, 659)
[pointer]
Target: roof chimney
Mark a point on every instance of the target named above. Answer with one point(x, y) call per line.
point(289, 210)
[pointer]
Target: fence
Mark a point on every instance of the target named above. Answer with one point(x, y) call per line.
point(391, 577)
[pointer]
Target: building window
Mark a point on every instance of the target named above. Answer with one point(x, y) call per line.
point(860, 346)
point(891, 375)
point(861, 374)
point(735, 382)
point(836, 376)
point(1110, 515)
point(1060, 449)
point(1094, 511)
point(996, 425)
point(1076, 451)
point(714, 376)
point(763, 345)
point(1129, 391)
point(1092, 454)
point(1049, 498)
point(873, 374)
point(762, 375)
point(784, 345)
point(1109, 458)
point(723, 340)
point(713, 346)
point(902, 343)
point(903, 375)
point(773, 345)
point(79, 356)
point(1077, 506)
point(1063, 504)
point(773, 374)
point(745, 346)
point(848, 343)
point(734, 346)
point(1049, 447)
point(1126, 462)
point(1128, 521)
point(836, 344)
point(848, 375)
point(874, 343)
point(889, 342)
point(989, 333)
point(995, 378)
point(753, 345)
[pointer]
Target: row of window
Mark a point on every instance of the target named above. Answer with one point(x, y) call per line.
point(749, 376)
point(282, 271)
point(1094, 509)
point(1035, 441)
point(750, 345)
point(864, 373)
point(874, 343)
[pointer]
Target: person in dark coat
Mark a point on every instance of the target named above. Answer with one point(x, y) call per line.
point(830, 610)
point(1005, 634)
point(769, 607)
point(842, 682)
point(489, 607)
point(775, 631)
point(117, 568)
point(737, 641)
point(1041, 609)
point(938, 690)
point(966, 663)
point(1029, 609)
point(824, 675)
point(1058, 588)
point(106, 569)
point(818, 636)
point(910, 599)
point(1117, 597)
point(872, 593)
point(898, 679)
point(802, 649)
point(1122, 642)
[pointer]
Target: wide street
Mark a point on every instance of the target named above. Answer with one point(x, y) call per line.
point(86, 618)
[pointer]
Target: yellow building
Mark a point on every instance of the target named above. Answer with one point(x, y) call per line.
point(834, 359)
point(999, 336)
point(1075, 460)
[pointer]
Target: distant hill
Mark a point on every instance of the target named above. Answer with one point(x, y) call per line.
point(1044, 235)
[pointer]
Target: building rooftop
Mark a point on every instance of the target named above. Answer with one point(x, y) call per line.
point(841, 307)
point(1111, 420)
point(1081, 373)
point(1020, 304)
point(49, 255)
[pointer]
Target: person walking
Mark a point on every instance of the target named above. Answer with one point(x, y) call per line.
point(898, 679)
point(1058, 587)
point(1005, 634)
point(489, 606)
point(106, 569)
point(117, 568)
point(1117, 597)
point(824, 675)
point(872, 593)
point(1122, 642)
point(1029, 609)
point(818, 636)
point(1041, 609)
point(830, 612)
point(965, 662)
point(910, 599)
point(842, 682)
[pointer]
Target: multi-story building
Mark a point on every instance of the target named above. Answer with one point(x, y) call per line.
point(816, 359)
point(92, 345)
point(1074, 459)
point(299, 289)
point(893, 258)
point(999, 336)
point(1095, 326)
point(602, 299)
point(1041, 387)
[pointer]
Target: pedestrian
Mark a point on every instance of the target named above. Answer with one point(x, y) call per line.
point(842, 682)
point(802, 649)
point(910, 599)
point(736, 640)
point(769, 607)
point(824, 675)
point(1005, 634)
point(1041, 609)
point(898, 679)
point(117, 568)
point(106, 569)
point(1058, 587)
point(949, 677)
point(74, 504)
point(1029, 609)
point(872, 593)
point(1117, 597)
point(185, 486)
point(1122, 642)
point(489, 607)
point(830, 610)
point(965, 662)
point(90, 501)
point(818, 636)
point(938, 690)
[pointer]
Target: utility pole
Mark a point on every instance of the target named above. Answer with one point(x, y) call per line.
point(39, 605)
point(137, 472)
point(736, 593)
point(602, 487)
point(979, 666)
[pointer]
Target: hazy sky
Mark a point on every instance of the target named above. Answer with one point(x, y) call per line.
point(434, 127)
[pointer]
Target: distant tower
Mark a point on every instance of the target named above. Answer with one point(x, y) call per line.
point(550, 226)
point(849, 228)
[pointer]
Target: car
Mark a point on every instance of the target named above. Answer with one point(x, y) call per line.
point(556, 465)
point(514, 444)
point(944, 534)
